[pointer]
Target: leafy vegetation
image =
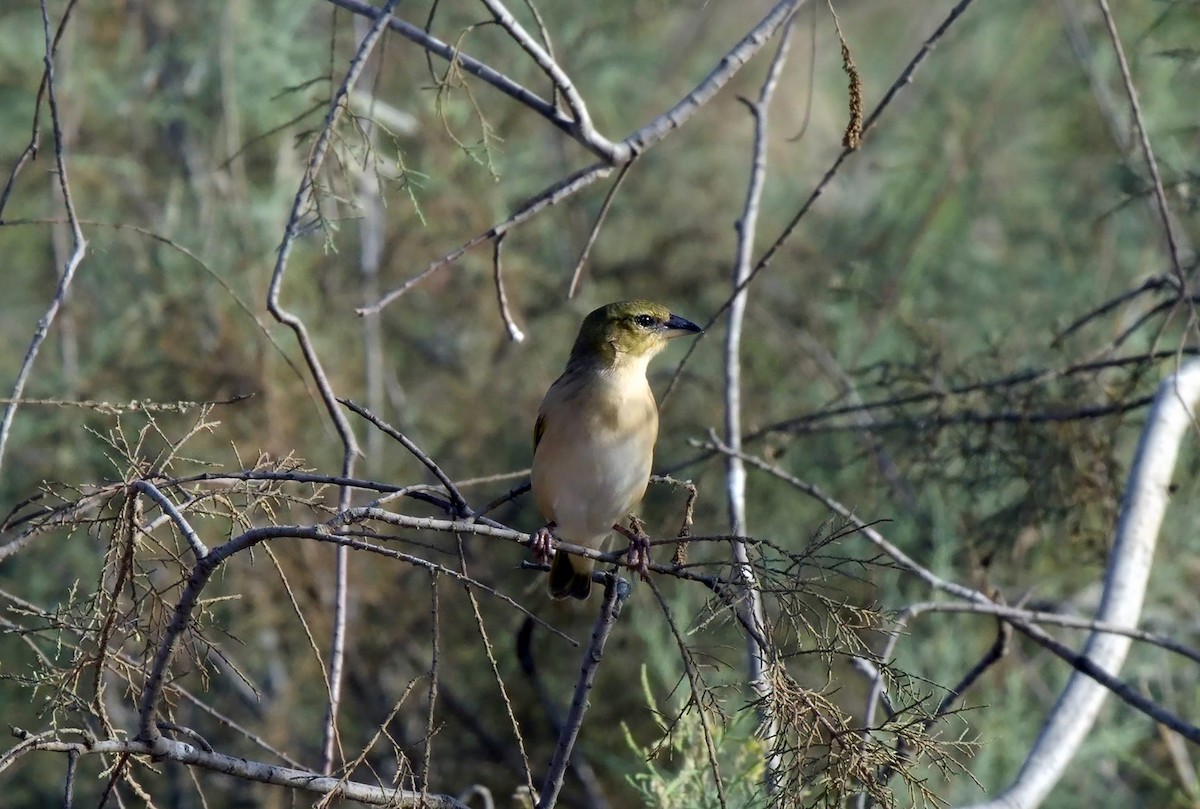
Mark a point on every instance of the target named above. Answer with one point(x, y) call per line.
point(958, 342)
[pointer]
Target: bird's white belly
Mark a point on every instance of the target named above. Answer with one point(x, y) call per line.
point(593, 483)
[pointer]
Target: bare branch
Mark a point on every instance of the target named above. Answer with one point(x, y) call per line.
point(1147, 151)
point(245, 769)
point(625, 151)
point(185, 528)
point(1058, 619)
point(552, 195)
point(78, 242)
point(611, 195)
point(499, 81)
point(496, 677)
point(304, 198)
point(461, 509)
point(735, 471)
point(903, 80)
point(583, 127)
point(1146, 497)
point(514, 331)
point(605, 620)
point(31, 149)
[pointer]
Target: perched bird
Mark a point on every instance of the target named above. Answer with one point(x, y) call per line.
point(593, 443)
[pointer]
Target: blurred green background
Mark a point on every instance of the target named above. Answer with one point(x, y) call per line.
point(1000, 198)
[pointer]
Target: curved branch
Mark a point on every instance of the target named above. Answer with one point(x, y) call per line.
point(1146, 496)
point(304, 199)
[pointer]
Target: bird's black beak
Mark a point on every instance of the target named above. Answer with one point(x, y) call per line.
point(677, 326)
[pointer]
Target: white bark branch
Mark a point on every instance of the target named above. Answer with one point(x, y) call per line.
point(735, 469)
point(1146, 496)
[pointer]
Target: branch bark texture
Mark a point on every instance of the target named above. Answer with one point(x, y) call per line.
point(1146, 496)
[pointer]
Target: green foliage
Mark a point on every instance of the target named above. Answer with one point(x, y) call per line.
point(677, 767)
point(906, 350)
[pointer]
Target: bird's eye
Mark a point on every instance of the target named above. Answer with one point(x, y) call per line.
point(645, 321)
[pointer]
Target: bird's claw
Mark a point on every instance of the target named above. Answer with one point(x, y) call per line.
point(541, 544)
point(638, 555)
point(637, 558)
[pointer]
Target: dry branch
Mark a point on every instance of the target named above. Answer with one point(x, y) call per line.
point(245, 769)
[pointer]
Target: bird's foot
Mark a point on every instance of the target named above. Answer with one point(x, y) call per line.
point(541, 544)
point(637, 558)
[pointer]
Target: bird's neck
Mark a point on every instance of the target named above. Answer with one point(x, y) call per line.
point(608, 363)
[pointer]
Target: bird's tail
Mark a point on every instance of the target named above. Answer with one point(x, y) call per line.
point(570, 576)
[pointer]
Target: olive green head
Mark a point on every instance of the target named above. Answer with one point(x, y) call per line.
point(628, 330)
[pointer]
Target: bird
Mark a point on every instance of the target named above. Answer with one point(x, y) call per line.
point(593, 442)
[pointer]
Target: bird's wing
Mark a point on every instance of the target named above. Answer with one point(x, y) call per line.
point(539, 429)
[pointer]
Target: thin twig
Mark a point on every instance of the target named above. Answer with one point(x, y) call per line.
point(31, 149)
point(514, 332)
point(1059, 619)
point(696, 684)
point(555, 193)
point(432, 45)
point(584, 130)
point(1148, 285)
point(902, 81)
point(626, 150)
point(611, 195)
point(904, 748)
point(461, 509)
point(245, 769)
point(78, 242)
point(499, 680)
point(1147, 151)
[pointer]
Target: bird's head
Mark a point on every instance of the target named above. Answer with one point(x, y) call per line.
point(628, 331)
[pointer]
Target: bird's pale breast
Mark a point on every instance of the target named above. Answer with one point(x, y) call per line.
point(593, 461)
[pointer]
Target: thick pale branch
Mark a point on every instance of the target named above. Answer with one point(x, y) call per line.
point(1146, 496)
